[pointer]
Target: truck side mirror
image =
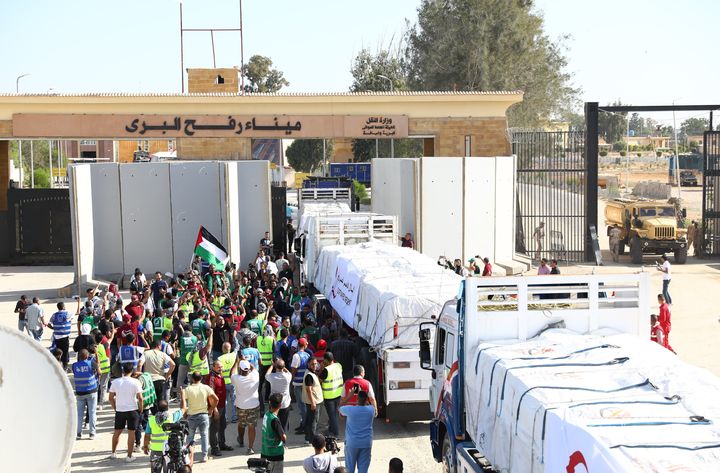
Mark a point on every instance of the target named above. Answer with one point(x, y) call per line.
point(425, 352)
point(684, 213)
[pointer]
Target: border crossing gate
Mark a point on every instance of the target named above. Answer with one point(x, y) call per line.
point(550, 190)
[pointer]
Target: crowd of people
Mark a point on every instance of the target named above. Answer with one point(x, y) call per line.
point(229, 346)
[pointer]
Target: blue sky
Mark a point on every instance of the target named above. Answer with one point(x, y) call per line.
point(639, 51)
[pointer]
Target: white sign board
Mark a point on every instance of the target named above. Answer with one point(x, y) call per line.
point(344, 290)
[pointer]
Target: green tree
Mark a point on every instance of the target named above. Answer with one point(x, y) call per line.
point(42, 178)
point(611, 125)
point(369, 71)
point(262, 76)
point(695, 126)
point(637, 124)
point(307, 155)
point(490, 45)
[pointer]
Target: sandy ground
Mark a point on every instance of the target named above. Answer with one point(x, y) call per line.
point(695, 331)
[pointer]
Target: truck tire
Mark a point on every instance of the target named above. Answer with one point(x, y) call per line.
point(447, 460)
point(680, 255)
point(636, 255)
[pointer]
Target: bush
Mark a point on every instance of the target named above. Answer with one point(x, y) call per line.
point(361, 192)
point(618, 146)
point(623, 153)
point(42, 178)
point(658, 154)
point(603, 153)
point(639, 155)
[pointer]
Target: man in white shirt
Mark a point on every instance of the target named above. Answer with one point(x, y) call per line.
point(247, 401)
point(35, 319)
point(280, 380)
point(155, 364)
point(665, 269)
point(126, 399)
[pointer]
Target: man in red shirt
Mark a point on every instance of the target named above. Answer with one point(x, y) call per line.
point(664, 320)
point(217, 421)
point(487, 269)
point(135, 307)
point(130, 326)
point(356, 384)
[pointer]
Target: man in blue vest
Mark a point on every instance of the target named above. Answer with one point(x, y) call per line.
point(130, 353)
point(298, 367)
point(61, 322)
point(86, 373)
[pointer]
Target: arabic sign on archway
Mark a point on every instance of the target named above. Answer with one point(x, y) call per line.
point(208, 126)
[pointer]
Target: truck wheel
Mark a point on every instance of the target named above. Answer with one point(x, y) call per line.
point(680, 255)
point(636, 251)
point(448, 464)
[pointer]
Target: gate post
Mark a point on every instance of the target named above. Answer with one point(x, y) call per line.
point(591, 177)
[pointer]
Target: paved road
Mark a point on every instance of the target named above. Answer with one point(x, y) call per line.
point(695, 331)
point(407, 441)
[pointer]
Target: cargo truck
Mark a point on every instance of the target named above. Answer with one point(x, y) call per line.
point(383, 292)
point(571, 383)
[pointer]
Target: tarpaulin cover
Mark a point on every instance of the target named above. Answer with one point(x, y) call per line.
point(605, 402)
point(397, 285)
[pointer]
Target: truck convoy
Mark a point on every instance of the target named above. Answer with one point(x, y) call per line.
point(647, 227)
point(556, 374)
point(352, 261)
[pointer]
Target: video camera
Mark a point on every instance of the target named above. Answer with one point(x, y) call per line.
point(176, 441)
point(258, 465)
point(331, 445)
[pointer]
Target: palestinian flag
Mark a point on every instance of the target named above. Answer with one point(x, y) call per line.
point(210, 249)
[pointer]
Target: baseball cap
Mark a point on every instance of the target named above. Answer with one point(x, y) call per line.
point(244, 365)
point(303, 342)
point(261, 307)
point(85, 329)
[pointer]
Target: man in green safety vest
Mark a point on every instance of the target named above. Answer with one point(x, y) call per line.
point(332, 387)
point(160, 324)
point(266, 347)
point(273, 436)
point(227, 360)
point(156, 438)
point(186, 343)
point(149, 398)
point(197, 359)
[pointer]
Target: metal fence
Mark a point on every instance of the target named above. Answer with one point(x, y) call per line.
point(710, 232)
point(551, 200)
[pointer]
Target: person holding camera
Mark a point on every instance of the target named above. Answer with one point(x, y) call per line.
point(273, 435)
point(156, 438)
point(323, 461)
point(358, 433)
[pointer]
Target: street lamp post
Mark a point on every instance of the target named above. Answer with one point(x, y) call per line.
point(17, 91)
point(392, 89)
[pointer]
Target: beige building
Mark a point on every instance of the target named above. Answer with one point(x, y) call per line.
point(214, 121)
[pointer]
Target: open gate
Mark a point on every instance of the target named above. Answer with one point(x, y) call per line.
point(710, 232)
point(550, 190)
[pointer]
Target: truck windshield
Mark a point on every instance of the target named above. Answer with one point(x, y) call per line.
point(666, 212)
point(647, 212)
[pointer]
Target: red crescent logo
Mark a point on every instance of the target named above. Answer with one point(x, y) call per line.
point(576, 459)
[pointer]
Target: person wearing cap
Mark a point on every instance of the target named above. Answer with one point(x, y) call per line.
point(298, 367)
point(246, 382)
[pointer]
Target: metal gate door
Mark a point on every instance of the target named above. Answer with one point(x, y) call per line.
point(278, 202)
point(40, 231)
point(710, 232)
point(550, 191)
